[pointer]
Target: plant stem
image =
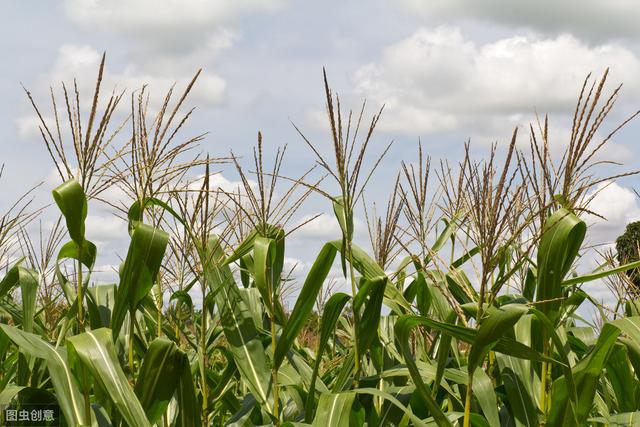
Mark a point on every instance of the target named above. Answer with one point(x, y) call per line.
point(356, 315)
point(131, 332)
point(543, 387)
point(87, 401)
point(85, 382)
point(159, 304)
point(274, 370)
point(543, 382)
point(203, 352)
point(80, 293)
point(467, 404)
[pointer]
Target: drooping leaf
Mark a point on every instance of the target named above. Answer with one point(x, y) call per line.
point(139, 272)
point(332, 311)
point(136, 211)
point(562, 236)
point(238, 323)
point(96, 351)
point(498, 322)
point(403, 328)
point(72, 202)
point(368, 268)
point(334, 409)
point(159, 378)
point(64, 383)
point(585, 374)
point(27, 280)
point(304, 304)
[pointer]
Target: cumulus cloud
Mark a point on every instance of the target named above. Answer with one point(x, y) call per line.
point(618, 205)
point(590, 19)
point(438, 80)
point(83, 60)
point(219, 181)
point(169, 21)
point(105, 228)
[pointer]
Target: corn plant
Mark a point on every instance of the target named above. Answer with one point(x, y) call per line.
point(464, 312)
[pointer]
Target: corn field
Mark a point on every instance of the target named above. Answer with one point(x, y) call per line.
point(463, 310)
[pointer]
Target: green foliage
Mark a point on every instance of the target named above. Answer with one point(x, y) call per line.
point(627, 248)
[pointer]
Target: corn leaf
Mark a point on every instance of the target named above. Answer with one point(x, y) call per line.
point(403, 328)
point(238, 324)
point(562, 236)
point(334, 409)
point(72, 202)
point(139, 272)
point(304, 304)
point(332, 310)
point(64, 383)
point(160, 375)
point(96, 351)
point(585, 374)
point(498, 322)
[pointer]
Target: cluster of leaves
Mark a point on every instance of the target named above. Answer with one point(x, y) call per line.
point(475, 325)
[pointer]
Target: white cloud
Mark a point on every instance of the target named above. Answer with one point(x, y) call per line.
point(591, 19)
point(325, 227)
point(296, 266)
point(105, 228)
point(219, 181)
point(438, 80)
point(168, 24)
point(618, 204)
point(83, 60)
point(27, 126)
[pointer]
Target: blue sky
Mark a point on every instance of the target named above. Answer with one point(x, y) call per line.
point(447, 71)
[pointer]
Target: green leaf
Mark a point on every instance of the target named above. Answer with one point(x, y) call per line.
point(444, 348)
point(586, 374)
point(188, 404)
point(136, 211)
point(72, 202)
point(334, 409)
point(370, 269)
point(85, 252)
point(139, 272)
point(623, 382)
point(498, 322)
point(442, 239)
point(374, 290)
point(388, 397)
point(518, 385)
point(27, 279)
point(505, 345)
point(627, 419)
point(562, 236)
point(332, 310)
point(96, 351)
point(264, 257)
point(243, 248)
point(160, 376)
point(64, 383)
point(600, 274)
point(304, 304)
point(486, 396)
point(403, 328)
point(100, 304)
point(237, 321)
